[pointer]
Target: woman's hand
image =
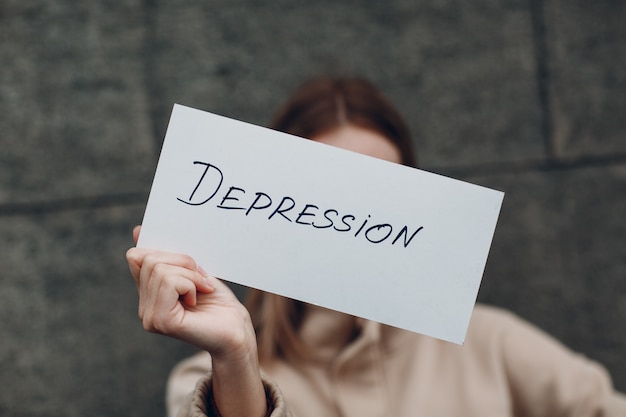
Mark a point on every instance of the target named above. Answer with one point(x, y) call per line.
point(177, 298)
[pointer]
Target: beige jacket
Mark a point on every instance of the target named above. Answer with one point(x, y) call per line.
point(506, 368)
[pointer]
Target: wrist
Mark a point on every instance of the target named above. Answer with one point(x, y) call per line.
point(236, 379)
point(239, 349)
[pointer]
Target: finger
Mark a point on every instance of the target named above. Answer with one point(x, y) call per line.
point(134, 257)
point(160, 267)
point(150, 278)
point(208, 282)
point(164, 310)
point(153, 258)
point(176, 279)
point(141, 259)
point(161, 290)
point(136, 231)
point(142, 263)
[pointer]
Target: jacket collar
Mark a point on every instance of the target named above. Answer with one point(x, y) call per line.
point(333, 335)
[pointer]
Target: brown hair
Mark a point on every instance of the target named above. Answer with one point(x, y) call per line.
point(317, 107)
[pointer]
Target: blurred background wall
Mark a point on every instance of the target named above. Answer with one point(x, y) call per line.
point(528, 97)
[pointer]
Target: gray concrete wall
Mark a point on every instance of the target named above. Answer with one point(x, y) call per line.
point(528, 97)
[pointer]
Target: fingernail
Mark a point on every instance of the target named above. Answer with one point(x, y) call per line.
point(202, 271)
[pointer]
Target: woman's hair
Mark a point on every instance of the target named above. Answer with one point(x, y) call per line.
point(326, 103)
point(320, 106)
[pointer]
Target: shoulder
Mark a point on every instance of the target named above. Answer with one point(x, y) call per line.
point(488, 326)
point(522, 346)
point(495, 322)
point(504, 333)
point(540, 369)
point(493, 315)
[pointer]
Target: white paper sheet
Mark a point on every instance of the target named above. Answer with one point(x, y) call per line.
point(320, 224)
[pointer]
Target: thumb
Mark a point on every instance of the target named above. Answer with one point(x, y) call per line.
point(136, 231)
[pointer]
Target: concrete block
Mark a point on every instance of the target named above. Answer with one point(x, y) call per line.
point(74, 116)
point(558, 257)
point(72, 343)
point(462, 74)
point(586, 52)
point(86, 90)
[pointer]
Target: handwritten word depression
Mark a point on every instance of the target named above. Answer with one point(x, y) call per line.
point(286, 208)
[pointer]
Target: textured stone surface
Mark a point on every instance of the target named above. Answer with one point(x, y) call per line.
point(469, 95)
point(73, 110)
point(557, 257)
point(525, 97)
point(587, 56)
point(72, 344)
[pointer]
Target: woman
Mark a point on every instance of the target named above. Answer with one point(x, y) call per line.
point(287, 358)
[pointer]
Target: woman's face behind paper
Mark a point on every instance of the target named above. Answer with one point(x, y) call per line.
point(357, 139)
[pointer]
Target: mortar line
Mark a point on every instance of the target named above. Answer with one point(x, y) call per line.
point(542, 74)
point(71, 204)
point(461, 172)
point(149, 83)
point(532, 165)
